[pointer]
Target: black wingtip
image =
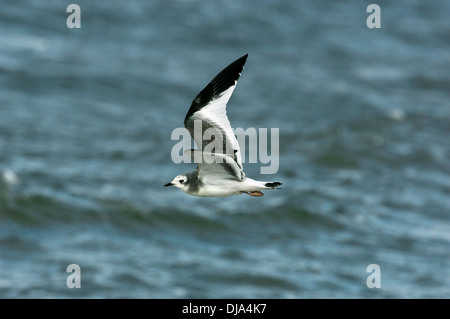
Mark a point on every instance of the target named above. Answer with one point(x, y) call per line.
point(221, 82)
point(273, 184)
point(241, 60)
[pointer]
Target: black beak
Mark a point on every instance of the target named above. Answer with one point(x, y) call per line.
point(168, 184)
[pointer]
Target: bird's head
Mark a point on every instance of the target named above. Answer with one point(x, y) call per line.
point(181, 182)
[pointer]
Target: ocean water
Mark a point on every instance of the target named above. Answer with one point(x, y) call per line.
point(86, 117)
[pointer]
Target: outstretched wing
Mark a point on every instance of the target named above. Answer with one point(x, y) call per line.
point(215, 166)
point(207, 119)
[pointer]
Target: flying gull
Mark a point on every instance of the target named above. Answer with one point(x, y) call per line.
point(219, 173)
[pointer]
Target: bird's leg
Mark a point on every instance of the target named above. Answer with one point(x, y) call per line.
point(255, 193)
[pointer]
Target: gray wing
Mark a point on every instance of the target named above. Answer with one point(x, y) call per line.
point(219, 166)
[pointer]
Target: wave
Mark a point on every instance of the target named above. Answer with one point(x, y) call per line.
point(41, 211)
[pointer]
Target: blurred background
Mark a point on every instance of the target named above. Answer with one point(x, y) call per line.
point(86, 117)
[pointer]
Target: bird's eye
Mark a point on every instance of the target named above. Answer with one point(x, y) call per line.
point(181, 181)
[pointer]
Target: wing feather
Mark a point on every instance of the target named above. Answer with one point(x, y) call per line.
point(208, 114)
point(213, 166)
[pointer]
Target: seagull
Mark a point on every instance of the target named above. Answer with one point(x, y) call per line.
point(219, 173)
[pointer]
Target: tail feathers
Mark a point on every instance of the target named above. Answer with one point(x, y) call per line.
point(273, 184)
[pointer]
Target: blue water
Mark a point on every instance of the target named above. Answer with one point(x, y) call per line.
point(86, 117)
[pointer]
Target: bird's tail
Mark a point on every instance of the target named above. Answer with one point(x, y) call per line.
point(254, 188)
point(252, 185)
